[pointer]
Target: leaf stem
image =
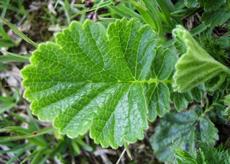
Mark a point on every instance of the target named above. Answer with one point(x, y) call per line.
point(127, 150)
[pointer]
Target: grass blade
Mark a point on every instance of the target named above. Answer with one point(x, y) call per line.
point(18, 32)
point(28, 136)
point(12, 57)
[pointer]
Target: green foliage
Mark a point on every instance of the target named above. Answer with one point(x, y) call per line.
point(111, 78)
point(19, 33)
point(191, 3)
point(11, 57)
point(182, 130)
point(104, 81)
point(180, 101)
point(227, 100)
point(155, 13)
point(6, 103)
point(206, 67)
point(212, 5)
point(205, 155)
point(227, 110)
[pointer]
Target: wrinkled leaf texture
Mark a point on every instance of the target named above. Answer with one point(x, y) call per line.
point(105, 81)
point(195, 66)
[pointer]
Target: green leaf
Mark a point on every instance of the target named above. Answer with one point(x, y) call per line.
point(6, 103)
point(159, 94)
point(180, 101)
point(206, 67)
point(18, 32)
point(12, 57)
point(192, 3)
point(211, 5)
point(205, 154)
point(216, 18)
point(215, 83)
point(184, 157)
point(227, 100)
point(182, 130)
point(97, 80)
point(159, 100)
point(151, 17)
point(226, 112)
point(215, 155)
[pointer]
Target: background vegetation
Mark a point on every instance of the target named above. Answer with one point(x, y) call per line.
point(24, 139)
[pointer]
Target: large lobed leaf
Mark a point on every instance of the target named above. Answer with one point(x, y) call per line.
point(195, 66)
point(100, 80)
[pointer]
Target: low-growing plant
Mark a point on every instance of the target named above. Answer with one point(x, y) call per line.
point(112, 80)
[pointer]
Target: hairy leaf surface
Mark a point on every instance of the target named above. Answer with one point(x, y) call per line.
point(100, 80)
point(195, 66)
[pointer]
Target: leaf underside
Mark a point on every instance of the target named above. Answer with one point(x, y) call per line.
point(100, 80)
point(195, 66)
